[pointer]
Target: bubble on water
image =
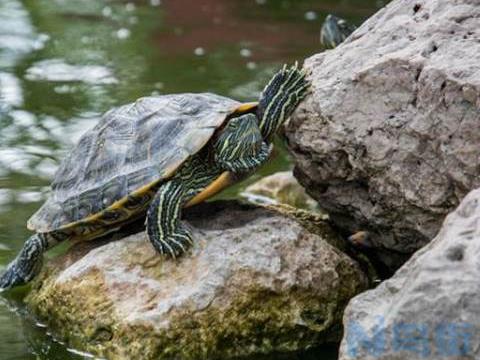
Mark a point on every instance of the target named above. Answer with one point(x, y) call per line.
point(107, 11)
point(63, 89)
point(311, 15)
point(155, 2)
point(123, 33)
point(133, 20)
point(251, 65)
point(130, 7)
point(199, 51)
point(85, 40)
point(159, 85)
point(261, 2)
point(245, 53)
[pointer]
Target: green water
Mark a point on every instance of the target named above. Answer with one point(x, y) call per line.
point(63, 63)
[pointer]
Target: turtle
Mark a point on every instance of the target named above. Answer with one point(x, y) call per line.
point(151, 159)
point(334, 31)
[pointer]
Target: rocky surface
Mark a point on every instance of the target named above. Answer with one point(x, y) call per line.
point(388, 140)
point(429, 309)
point(279, 188)
point(255, 282)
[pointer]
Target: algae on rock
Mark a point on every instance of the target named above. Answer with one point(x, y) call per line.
point(255, 282)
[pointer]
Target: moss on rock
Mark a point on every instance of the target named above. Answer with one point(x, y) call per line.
point(256, 282)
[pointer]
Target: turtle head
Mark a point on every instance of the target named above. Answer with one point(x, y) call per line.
point(361, 240)
point(284, 92)
point(334, 31)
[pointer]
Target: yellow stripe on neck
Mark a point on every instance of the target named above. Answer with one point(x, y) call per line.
point(220, 183)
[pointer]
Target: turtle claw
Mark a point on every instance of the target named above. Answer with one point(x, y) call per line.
point(174, 246)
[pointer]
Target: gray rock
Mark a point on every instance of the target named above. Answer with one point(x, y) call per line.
point(255, 282)
point(429, 309)
point(389, 139)
point(279, 188)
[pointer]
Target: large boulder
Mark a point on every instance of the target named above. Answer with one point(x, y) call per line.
point(389, 139)
point(255, 282)
point(429, 309)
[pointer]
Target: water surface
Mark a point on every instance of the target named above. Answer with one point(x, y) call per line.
point(63, 63)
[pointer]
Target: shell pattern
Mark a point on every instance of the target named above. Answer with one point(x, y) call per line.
point(114, 168)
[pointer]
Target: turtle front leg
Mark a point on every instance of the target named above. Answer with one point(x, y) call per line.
point(240, 147)
point(246, 162)
point(29, 261)
point(164, 228)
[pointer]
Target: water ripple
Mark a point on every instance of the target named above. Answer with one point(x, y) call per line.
point(59, 71)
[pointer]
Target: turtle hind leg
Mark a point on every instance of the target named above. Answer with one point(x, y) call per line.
point(164, 228)
point(29, 261)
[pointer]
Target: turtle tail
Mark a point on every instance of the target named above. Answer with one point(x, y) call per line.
point(29, 261)
point(281, 96)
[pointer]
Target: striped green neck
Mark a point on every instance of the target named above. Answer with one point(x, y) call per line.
point(280, 98)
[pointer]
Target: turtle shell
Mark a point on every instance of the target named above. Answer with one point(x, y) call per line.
point(132, 147)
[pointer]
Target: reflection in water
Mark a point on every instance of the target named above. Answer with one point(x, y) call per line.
point(63, 63)
point(10, 90)
point(17, 36)
point(58, 70)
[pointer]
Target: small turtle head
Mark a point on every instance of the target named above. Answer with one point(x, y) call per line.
point(360, 240)
point(334, 31)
